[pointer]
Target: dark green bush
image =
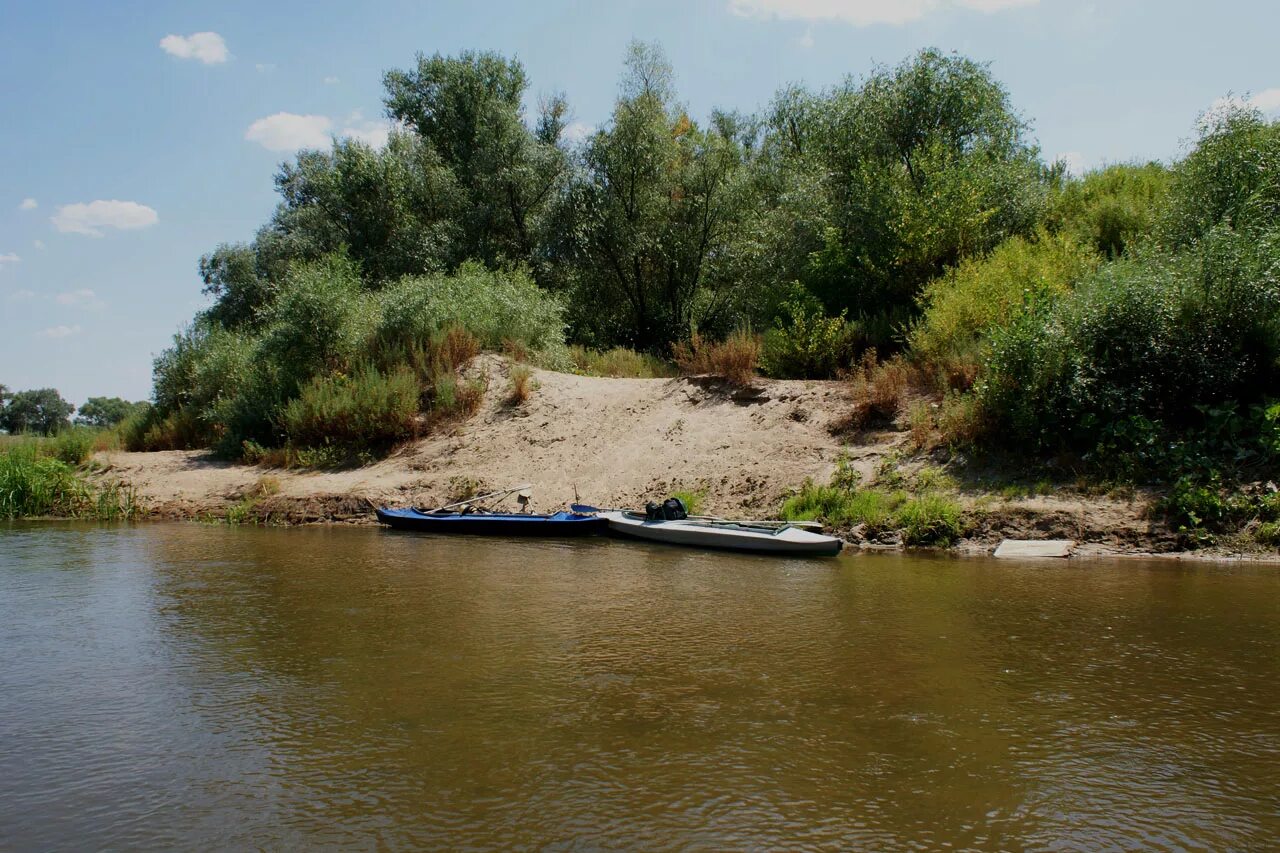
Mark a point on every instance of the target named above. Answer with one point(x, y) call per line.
point(805, 343)
point(368, 409)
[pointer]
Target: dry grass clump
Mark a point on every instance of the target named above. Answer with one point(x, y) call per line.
point(521, 385)
point(735, 359)
point(878, 389)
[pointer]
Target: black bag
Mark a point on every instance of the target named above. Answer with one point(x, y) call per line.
point(673, 509)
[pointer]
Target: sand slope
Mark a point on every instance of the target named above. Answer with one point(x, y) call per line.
point(618, 441)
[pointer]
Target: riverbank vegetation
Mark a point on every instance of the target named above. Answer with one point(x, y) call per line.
point(901, 230)
point(47, 478)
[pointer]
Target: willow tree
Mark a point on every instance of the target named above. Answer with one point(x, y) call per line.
point(649, 220)
point(468, 109)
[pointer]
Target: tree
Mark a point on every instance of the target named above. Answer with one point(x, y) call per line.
point(468, 110)
point(106, 411)
point(42, 410)
point(915, 167)
point(649, 220)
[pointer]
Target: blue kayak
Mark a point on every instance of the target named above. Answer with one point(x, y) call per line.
point(481, 523)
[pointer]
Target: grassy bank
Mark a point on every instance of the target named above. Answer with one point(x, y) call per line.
point(45, 477)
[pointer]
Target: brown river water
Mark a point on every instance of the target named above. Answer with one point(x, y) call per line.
point(194, 687)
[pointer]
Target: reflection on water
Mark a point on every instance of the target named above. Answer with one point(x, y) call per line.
point(179, 685)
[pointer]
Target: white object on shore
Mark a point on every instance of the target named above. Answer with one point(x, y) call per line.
point(1019, 548)
point(724, 535)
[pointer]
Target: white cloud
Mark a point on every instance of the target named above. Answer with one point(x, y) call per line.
point(373, 133)
point(8, 258)
point(264, 67)
point(83, 298)
point(806, 40)
point(22, 296)
point(863, 13)
point(28, 204)
point(1075, 162)
point(1268, 100)
point(576, 132)
point(89, 218)
point(208, 48)
point(59, 331)
point(290, 131)
point(329, 81)
point(39, 244)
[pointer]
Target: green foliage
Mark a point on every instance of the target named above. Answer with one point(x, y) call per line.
point(964, 306)
point(496, 307)
point(34, 483)
point(73, 445)
point(468, 111)
point(366, 409)
point(925, 164)
point(805, 343)
point(40, 411)
point(693, 499)
point(1110, 209)
point(921, 509)
point(1229, 180)
point(618, 362)
point(1151, 337)
point(649, 228)
point(930, 520)
point(106, 411)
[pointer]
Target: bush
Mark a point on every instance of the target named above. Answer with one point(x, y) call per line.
point(805, 343)
point(1152, 337)
point(498, 308)
point(366, 409)
point(618, 362)
point(1111, 209)
point(734, 359)
point(74, 446)
point(845, 508)
point(963, 307)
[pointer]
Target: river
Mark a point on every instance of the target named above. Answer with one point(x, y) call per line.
point(187, 686)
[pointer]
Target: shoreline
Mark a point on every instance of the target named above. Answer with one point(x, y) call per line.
point(621, 442)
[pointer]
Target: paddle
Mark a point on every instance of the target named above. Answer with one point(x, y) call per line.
point(711, 519)
point(501, 493)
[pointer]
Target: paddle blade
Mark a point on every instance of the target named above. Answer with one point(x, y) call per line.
point(583, 508)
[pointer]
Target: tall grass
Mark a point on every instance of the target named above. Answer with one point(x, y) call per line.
point(34, 482)
point(619, 362)
point(735, 358)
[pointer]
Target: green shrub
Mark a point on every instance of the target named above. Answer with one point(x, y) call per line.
point(930, 519)
point(964, 306)
point(805, 343)
point(693, 499)
point(366, 409)
point(1111, 209)
point(74, 446)
point(496, 307)
point(1151, 337)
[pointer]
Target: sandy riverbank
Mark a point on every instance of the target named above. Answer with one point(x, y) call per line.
point(620, 442)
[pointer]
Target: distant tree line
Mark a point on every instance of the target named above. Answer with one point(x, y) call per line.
point(43, 411)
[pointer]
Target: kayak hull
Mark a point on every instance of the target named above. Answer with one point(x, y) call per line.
point(494, 524)
point(726, 537)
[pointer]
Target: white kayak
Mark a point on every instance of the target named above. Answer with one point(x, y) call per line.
point(733, 536)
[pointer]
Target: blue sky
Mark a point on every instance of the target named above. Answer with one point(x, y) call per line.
point(132, 145)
